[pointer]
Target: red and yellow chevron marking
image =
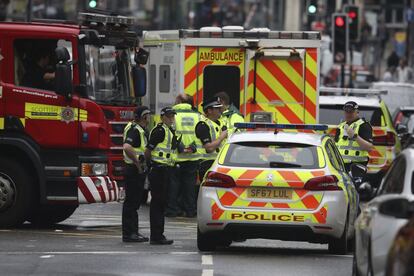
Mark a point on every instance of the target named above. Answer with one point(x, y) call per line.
point(238, 196)
point(195, 60)
point(280, 88)
point(317, 217)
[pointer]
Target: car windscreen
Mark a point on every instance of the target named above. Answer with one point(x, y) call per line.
point(272, 155)
point(334, 115)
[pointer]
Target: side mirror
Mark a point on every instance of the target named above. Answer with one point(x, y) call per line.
point(63, 74)
point(139, 77)
point(397, 207)
point(141, 56)
point(402, 129)
point(365, 191)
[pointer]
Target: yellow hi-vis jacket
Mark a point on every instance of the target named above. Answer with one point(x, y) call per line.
point(163, 152)
point(348, 147)
point(141, 149)
point(185, 123)
point(215, 131)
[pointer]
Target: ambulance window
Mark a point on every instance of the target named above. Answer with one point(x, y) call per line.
point(164, 78)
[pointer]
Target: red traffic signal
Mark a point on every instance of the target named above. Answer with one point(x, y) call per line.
point(352, 14)
point(339, 21)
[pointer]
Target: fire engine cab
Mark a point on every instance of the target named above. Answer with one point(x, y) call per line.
point(66, 93)
point(270, 76)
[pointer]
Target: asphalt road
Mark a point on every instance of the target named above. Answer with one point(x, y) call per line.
point(89, 243)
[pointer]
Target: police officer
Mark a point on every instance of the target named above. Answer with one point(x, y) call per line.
point(353, 137)
point(210, 133)
point(135, 141)
point(160, 152)
point(181, 193)
point(230, 114)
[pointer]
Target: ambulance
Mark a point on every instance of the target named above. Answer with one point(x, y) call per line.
point(271, 76)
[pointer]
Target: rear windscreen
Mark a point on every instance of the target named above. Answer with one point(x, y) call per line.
point(334, 115)
point(271, 155)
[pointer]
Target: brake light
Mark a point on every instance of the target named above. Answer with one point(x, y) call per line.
point(323, 183)
point(216, 179)
point(384, 140)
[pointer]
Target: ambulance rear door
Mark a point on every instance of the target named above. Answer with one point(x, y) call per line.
point(281, 87)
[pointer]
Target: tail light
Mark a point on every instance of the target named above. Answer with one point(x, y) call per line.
point(323, 183)
point(216, 179)
point(384, 140)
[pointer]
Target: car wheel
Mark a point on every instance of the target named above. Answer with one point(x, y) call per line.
point(340, 246)
point(206, 242)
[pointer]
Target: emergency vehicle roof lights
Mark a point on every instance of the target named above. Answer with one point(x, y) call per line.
point(88, 18)
point(234, 32)
point(354, 91)
point(280, 126)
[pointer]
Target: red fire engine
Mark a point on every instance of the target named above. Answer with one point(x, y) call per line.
point(66, 93)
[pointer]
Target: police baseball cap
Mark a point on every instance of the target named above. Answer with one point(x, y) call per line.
point(141, 111)
point(350, 106)
point(167, 111)
point(211, 103)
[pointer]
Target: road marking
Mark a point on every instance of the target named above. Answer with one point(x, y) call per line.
point(47, 256)
point(207, 260)
point(179, 253)
point(207, 272)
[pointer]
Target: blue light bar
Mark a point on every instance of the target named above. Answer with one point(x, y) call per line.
point(279, 126)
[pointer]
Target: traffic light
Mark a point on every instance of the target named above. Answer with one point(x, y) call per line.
point(93, 3)
point(312, 7)
point(339, 37)
point(353, 16)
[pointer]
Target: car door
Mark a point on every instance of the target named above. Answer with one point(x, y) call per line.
point(384, 228)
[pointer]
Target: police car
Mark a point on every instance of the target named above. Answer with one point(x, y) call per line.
point(276, 184)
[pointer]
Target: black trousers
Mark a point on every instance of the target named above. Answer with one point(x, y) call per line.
point(159, 178)
point(134, 188)
point(204, 166)
point(181, 192)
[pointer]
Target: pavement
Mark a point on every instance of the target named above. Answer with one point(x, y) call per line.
point(89, 243)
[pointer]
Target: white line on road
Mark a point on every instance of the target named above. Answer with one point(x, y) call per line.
point(207, 272)
point(46, 256)
point(207, 260)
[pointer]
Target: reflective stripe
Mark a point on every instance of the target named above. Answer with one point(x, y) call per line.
point(355, 158)
point(185, 132)
point(1, 123)
point(350, 148)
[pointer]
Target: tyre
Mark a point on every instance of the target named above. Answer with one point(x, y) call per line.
point(206, 242)
point(47, 215)
point(16, 193)
point(340, 246)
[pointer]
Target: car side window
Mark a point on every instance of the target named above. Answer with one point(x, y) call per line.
point(394, 180)
point(331, 156)
point(338, 157)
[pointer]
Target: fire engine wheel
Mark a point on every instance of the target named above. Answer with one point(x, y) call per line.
point(47, 215)
point(16, 193)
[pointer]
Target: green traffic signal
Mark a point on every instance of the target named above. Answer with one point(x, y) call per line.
point(93, 4)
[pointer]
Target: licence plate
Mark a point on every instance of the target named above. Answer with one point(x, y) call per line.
point(269, 193)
